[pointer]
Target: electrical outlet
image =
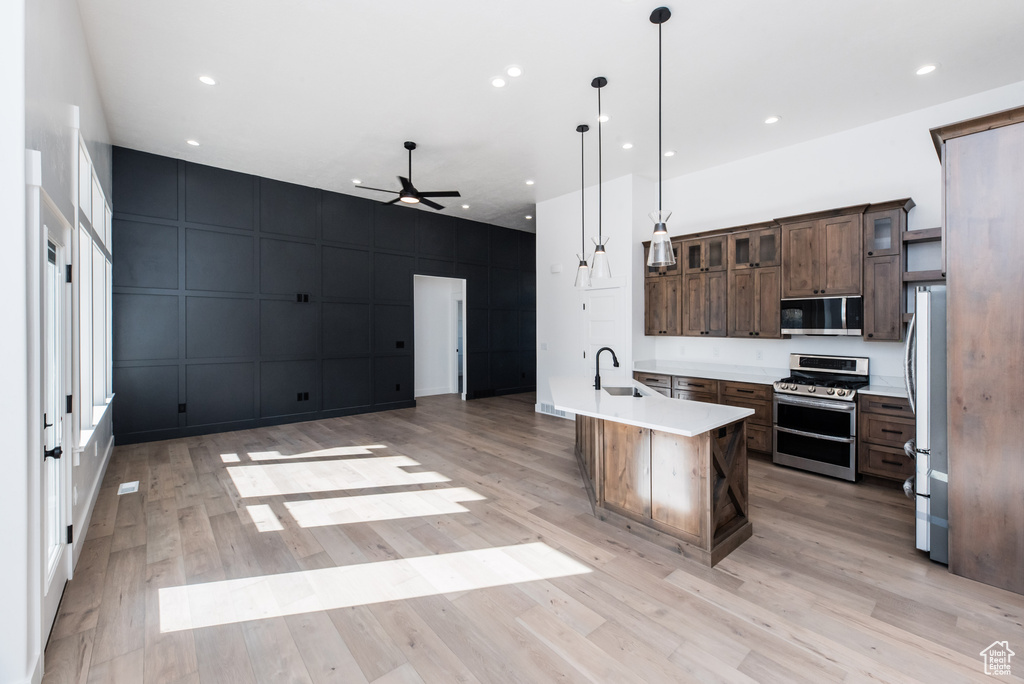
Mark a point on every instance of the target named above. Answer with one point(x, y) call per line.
point(759, 355)
point(543, 346)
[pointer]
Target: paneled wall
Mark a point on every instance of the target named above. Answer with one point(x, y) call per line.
point(242, 301)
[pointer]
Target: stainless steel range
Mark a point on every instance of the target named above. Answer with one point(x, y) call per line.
point(815, 425)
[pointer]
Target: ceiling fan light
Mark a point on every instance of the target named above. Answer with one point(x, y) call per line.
point(409, 199)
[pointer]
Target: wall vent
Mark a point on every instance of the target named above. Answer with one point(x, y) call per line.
point(551, 410)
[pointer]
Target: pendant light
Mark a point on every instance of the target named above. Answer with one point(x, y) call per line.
point(599, 267)
point(660, 253)
point(583, 272)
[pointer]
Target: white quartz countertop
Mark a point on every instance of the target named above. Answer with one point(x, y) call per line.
point(714, 371)
point(576, 394)
point(885, 386)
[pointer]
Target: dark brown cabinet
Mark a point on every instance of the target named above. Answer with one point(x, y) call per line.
point(822, 257)
point(884, 226)
point(758, 398)
point(661, 271)
point(705, 254)
point(704, 304)
point(755, 249)
point(662, 306)
point(883, 232)
point(754, 303)
point(884, 424)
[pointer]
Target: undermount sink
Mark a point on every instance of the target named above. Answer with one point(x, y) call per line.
point(621, 391)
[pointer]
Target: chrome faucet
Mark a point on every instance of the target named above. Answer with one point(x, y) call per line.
point(597, 365)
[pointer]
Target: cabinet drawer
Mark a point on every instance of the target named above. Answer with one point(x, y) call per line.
point(759, 437)
point(883, 461)
point(665, 391)
point(890, 406)
point(706, 397)
point(654, 379)
point(762, 409)
point(885, 430)
point(695, 385)
point(746, 390)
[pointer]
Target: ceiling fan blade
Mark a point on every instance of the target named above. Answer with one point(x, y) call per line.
point(441, 193)
point(364, 187)
point(397, 199)
point(432, 205)
point(407, 184)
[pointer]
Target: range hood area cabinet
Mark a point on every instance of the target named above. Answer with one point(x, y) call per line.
point(821, 255)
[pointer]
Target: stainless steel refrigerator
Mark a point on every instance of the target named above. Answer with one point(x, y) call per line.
point(925, 374)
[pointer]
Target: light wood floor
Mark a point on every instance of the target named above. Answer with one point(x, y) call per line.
point(828, 589)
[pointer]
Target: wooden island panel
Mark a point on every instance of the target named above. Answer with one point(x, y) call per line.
point(627, 467)
point(679, 485)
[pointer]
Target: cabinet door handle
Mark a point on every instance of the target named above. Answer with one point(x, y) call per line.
point(893, 406)
point(757, 334)
point(893, 432)
point(745, 391)
point(872, 254)
point(892, 463)
point(758, 263)
point(871, 334)
point(815, 292)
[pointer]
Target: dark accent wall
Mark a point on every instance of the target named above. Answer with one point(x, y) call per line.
point(242, 301)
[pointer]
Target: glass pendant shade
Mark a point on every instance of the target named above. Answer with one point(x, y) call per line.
point(599, 267)
point(582, 273)
point(660, 253)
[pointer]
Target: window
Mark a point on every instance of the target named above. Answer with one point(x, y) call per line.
point(84, 276)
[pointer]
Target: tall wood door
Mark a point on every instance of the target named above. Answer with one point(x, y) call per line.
point(627, 467)
point(742, 303)
point(841, 258)
point(883, 316)
point(694, 297)
point(767, 289)
point(717, 291)
point(662, 306)
point(800, 254)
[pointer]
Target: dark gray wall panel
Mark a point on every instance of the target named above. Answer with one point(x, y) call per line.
point(287, 209)
point(147, 255)
point(147, 399)
point(145, 327)
point(478, 334)
point(151, 189)
point(287, 328)
point(218, 262)
point(218, 327)
point(478, 369)
point(346, 329)
point(528, 369)
point(346, 272)
point(435, 236)
point(280, 384)
point(287, 267)
point(347, 219)
point(395, 228)
point(393, 379)
point(473, 242)
point(433, 267)
point(219, 393)
point(527, 330)
point(528, 290)
point(476, 277)
point(527, 252)
point(504, 248)
point(393, 326)
point(392, 277)
point(505, 373)
point(217, 197)
point(347, 383)
point(504, 288)
point(504, 330)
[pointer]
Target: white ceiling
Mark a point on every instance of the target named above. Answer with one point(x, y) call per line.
point(319, 92)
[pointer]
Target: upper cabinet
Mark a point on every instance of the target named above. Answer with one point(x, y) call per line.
point(662, 271)
point(822, 256)
point(758, 248)
point(705, 255)
point(884, 304)
point(883, 232)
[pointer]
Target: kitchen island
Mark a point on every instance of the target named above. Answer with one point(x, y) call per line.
point(669, 470)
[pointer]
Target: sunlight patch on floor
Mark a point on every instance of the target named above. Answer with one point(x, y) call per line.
point(253, 598)
point(346, 510)
point(277, 479)
point(264, 518)
point(366, 450)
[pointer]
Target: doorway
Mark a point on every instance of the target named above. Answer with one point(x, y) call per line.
point(440, 335)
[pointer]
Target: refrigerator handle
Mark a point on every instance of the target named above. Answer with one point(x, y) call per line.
point(908, 365)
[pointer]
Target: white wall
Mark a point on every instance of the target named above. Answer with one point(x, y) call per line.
point(882, 161)
point(435, 316)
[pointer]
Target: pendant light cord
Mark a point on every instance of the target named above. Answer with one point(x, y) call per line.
point(659, 122)
point(583, 199)
point(600, 188)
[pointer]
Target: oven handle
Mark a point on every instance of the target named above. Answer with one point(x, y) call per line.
point(815, 435)
point(847, 406)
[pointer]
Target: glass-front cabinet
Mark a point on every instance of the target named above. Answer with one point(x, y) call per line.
point(882, 232)
point(759, 248)
point(705, 254)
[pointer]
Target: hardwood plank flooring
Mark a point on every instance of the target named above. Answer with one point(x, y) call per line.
point(340, 534)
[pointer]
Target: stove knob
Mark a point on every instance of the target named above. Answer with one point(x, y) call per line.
point(832, 391)
point(811, 389)
point(841, 393)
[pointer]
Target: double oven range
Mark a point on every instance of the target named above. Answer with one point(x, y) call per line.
point(815, 425)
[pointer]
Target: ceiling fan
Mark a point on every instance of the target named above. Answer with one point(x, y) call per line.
point(409, 194)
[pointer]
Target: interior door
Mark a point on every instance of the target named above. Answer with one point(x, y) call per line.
point(56, 476)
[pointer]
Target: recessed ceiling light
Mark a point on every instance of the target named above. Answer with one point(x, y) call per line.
point(771, 120)
point(529, 216)
point(627, 146)
point(670, 153)
point(193, 143)
point(498, 82)
point(603, 118)
point(357, 181)
point(465, 206)
point(529, 182)
point(514, 71)
point(208, 80)
point(926, 69)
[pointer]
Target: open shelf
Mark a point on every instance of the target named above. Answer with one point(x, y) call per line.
point(922, 276)
point(926, 235)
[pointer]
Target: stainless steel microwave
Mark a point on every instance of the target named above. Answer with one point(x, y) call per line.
point(823, 316)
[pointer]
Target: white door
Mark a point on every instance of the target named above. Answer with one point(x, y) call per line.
point(56, 453)
point(603, 327)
